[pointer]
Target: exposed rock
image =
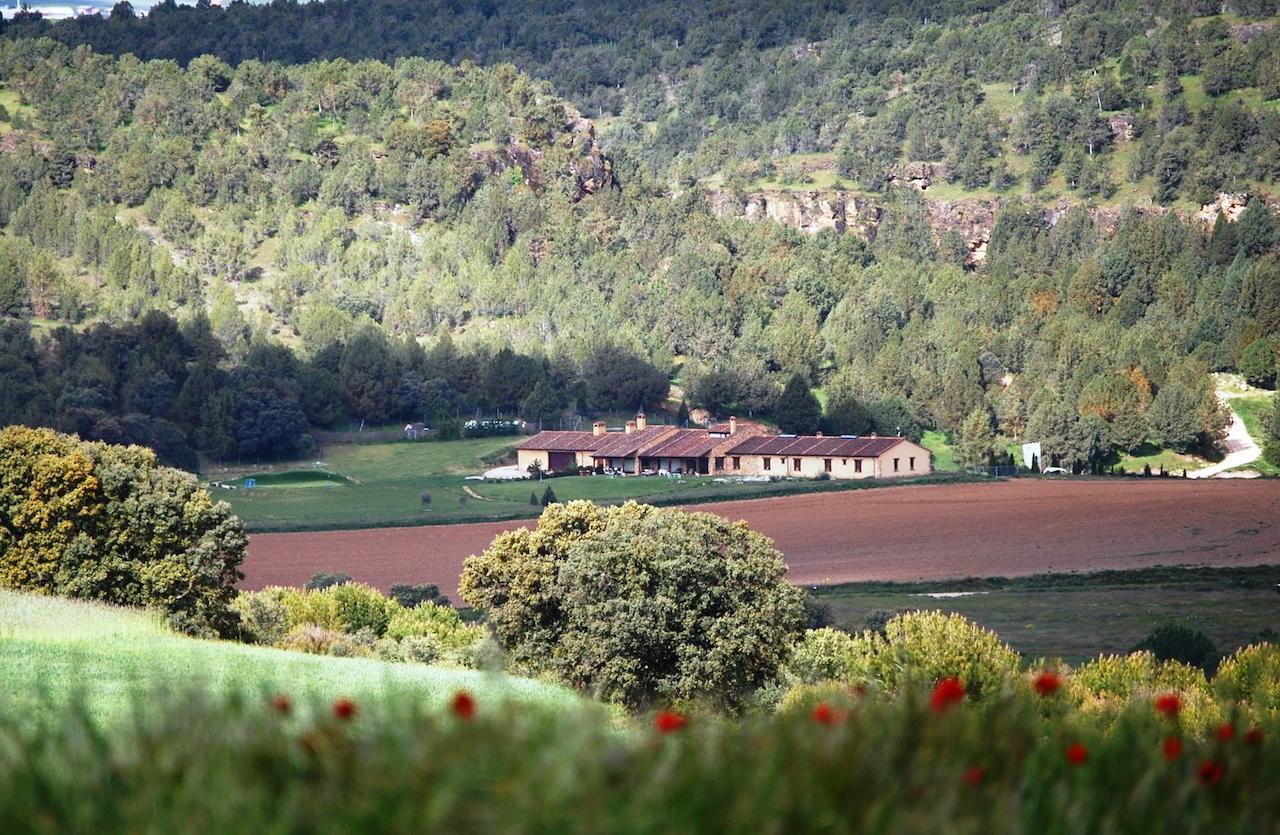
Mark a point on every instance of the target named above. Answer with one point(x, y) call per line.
point(1121, 126)
point(1246, 32)
point(1233, 205)
point(916, 175)
point(809, 211)
point(802, 51)
point(972, 219)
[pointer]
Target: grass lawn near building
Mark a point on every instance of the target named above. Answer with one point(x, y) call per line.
point(54, 650)
point(378, 485)
point(1077, 617)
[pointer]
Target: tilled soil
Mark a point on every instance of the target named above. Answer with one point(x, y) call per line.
point(927, 532)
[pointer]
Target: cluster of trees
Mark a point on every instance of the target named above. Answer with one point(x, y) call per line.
point(103, 522)
point(172, 387)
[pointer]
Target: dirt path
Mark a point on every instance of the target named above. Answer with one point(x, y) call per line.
point(1018, 527)
point(1240, 446)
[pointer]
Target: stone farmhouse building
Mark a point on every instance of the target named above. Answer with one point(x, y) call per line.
point(728, 449)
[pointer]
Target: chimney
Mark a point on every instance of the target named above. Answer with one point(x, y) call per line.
point(598, 428)
point(631, 426)
point(641, 421)
point(733, 424)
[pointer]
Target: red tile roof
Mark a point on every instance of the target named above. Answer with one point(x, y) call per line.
point(685, 443)
point(812, 445)
point(563, 441)
point(628, 445)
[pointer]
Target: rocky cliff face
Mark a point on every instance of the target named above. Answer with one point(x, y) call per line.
point(814, 210)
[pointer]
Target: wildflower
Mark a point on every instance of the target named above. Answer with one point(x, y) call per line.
point(824, 714)
point(974, 775)
point(1172, 748)
point(1077, 754)
point(344, 709)
point(1169, 704)
point(280, 704)
point(1048, 683)
point(463, 705)
point(948, 692)
point(669, 721)
point(1209, 773)
point(1253, 736)
point(1226, 732)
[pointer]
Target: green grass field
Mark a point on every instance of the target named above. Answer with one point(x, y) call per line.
point(53, 650)
point(1076, 617)
point(944, 456)
point(1253, 410)
point(374, 485)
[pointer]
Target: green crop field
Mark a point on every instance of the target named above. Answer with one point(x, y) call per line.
point(1063, 616)
point(374, 485)
point(54, 650)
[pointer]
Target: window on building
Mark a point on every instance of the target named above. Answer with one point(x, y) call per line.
point(795, 464)
point(737, 463)
point(826, 465)
point(720, 463)
point(895, 465)
point(912, 462)
point(844, 460)
point(857, 465)
point(768, 463)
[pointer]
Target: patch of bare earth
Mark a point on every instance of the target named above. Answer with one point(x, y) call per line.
point(1018, 527)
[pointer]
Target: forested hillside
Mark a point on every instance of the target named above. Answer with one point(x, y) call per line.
point(990, 218)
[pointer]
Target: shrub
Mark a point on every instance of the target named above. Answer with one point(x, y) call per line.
point(322, 580)
point(823, 654)
point(1252, 675)
point(639, 604)
point(311, 607)
point(1181, 643)
point(105, 522)
point(264, 619)
point(307, 637)
point(409, 596)
point(442, 623)
point(1271, 453)
point(924, 647)
point(360, 607)
point(420, 648)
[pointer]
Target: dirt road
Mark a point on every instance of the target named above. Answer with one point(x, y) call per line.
point(1023, 526)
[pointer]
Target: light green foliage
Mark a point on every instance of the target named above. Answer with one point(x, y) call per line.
point(825, 654)
point(923, 647)
point(639, 605)
point(1251, 675)
point(440, 623)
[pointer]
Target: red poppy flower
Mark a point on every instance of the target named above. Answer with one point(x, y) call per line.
point(1226, 732)
point(280, 704)
point(463, 705)
point(1172, 748)
point(669, 721)
point(1048, 683)
point(344, 709)
point(1169, 704)
point(1253, 736)
point(1210, 773)
point(948, 692)
point(1077, 754)
point(974, 775)
point(824, 714)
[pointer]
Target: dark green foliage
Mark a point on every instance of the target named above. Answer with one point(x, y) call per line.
point(324, 579)
point(616, 379)
point(797, 410)
point(548, 497)
point(1256, 229)
point(1175, 642)
point(1174, 417)
point(845, 415)
point(1258, 363)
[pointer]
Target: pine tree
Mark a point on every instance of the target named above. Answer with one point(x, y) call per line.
point(797, 410)
point(548, 496)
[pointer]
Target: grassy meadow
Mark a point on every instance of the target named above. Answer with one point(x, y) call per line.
point(54, 652)
point(1062, 616)
point(375, 485)
point(1253, 410)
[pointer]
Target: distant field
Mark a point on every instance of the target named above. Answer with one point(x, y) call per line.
point(53, 650)
point(1075, 617)
point(374, 485)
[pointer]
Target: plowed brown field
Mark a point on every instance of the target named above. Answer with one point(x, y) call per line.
point(1025, 526)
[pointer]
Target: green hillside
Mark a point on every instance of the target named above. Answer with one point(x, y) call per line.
point(54, 651)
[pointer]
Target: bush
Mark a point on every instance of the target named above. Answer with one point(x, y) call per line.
point(1180, 643)
point(1106, 684)
point(104, 522)
point(264, 619)
point(1271, 453)
point(360, 607)
point(1251, 675)
point(307, 637)
point(924, 647)
point(822, 655)
point(442, 623)
point(639, 604)
point(322, 580)
point(311, 607)
point(409, 596)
